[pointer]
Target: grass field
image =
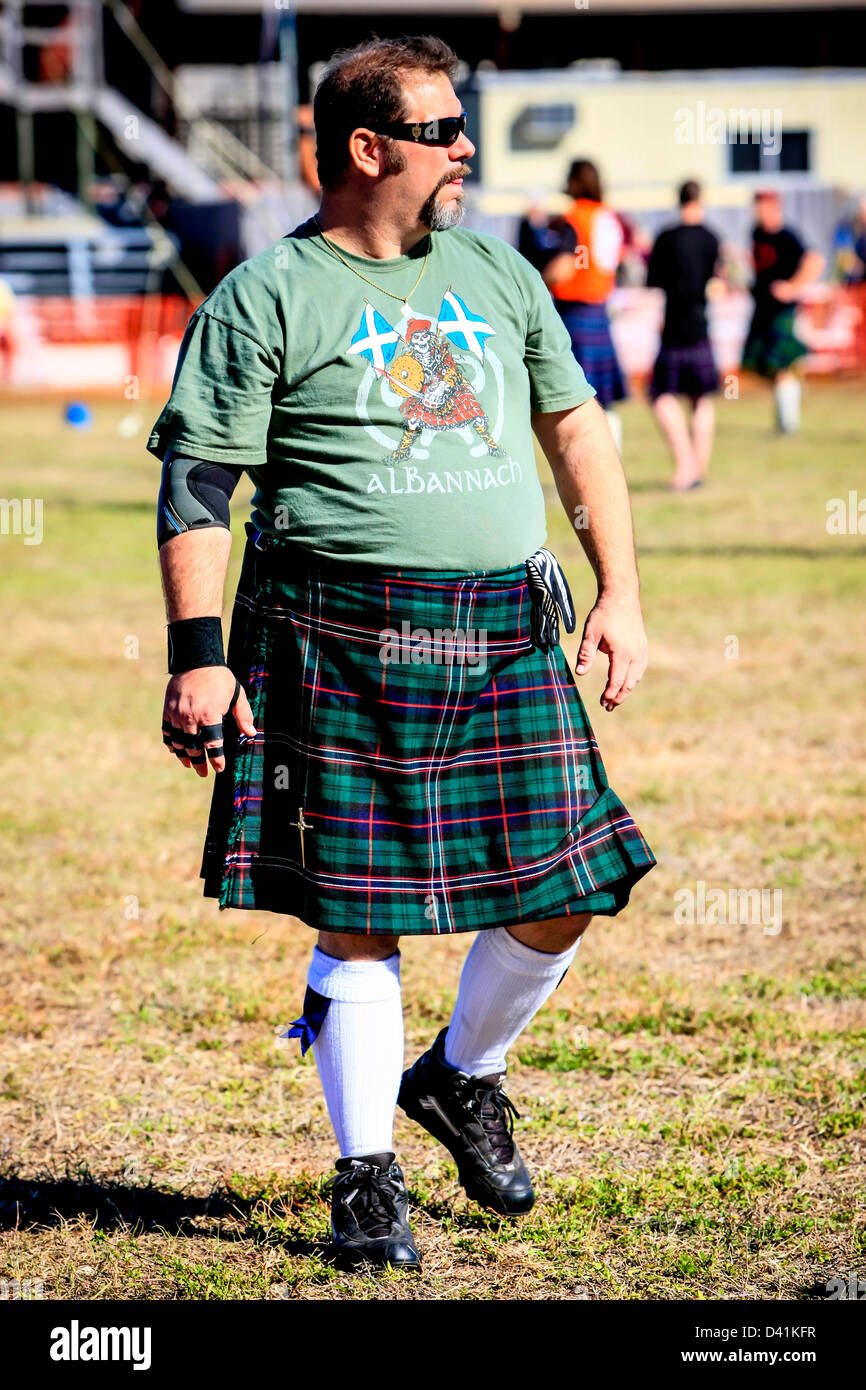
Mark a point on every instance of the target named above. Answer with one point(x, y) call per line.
point(691, 1099)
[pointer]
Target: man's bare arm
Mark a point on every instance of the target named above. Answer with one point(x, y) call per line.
point(590, 481)
point(807, 272)
point(559, 268)
point(194, 566)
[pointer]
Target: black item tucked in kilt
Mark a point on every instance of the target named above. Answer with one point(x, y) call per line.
point(433, 796)
point(689, 370)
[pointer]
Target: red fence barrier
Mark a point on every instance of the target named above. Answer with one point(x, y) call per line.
point(831, 321)
point(129, 343)
point(109, 318)
point(60, 342)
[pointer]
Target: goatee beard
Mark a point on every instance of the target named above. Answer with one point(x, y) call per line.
point(439, 216)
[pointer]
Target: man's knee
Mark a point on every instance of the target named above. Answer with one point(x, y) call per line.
point(349, 946)
point(554, 935)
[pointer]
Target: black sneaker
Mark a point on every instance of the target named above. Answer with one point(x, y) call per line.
point(474, 1118)
point(370, 1213)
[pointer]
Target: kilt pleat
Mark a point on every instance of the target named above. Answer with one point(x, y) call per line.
point(592, 344)
point(772, 345)
point(435, 796)
point(689, 370)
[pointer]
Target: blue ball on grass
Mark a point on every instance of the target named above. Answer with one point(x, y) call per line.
point(78, 415)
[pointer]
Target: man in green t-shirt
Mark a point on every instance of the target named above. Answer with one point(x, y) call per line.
point(404, 749)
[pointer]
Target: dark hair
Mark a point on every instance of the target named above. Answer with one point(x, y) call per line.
point(583, 181)
point(690, 192)
point(362, 86)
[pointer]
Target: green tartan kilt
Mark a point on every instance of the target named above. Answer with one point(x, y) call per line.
point(773, 346)
point(383, 794)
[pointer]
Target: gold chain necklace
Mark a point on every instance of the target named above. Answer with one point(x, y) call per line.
point(403, 298)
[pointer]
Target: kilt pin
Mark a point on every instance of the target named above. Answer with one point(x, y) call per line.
point(409, 796)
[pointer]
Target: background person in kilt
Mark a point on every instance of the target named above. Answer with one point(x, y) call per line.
point(783, 268)
point(683, 262)
point(581, 278)
point(408, 752)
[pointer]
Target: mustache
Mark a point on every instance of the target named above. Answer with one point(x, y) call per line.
point(454, 175)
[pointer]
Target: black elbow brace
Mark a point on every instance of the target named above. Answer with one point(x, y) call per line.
point(194, 493)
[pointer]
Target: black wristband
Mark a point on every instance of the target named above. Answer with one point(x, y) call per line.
point(195, 642)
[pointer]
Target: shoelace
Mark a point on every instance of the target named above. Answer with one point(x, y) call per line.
point(378, 1207)
point(497, 1113)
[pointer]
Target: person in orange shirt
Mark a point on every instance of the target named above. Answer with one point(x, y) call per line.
point(581, 276)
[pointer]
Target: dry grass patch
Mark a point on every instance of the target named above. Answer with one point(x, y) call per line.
point(691, 1099)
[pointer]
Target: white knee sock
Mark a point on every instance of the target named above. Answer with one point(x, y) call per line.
point(787, 394)
point(359, 1050)
point(503, 984)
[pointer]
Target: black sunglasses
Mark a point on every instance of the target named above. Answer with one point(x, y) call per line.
point(442, 130)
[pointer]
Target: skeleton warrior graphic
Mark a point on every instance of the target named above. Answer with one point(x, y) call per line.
point(436, 394)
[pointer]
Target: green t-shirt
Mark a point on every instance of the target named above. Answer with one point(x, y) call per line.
point(375, 431)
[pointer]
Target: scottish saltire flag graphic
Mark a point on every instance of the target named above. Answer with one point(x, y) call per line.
point(465, 329)
point(375, 339)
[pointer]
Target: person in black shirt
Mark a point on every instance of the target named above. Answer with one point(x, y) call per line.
point(540, 238)
point(682, 263)
point(783, 267)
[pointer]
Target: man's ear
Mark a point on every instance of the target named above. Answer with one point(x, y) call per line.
point(366, 151)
